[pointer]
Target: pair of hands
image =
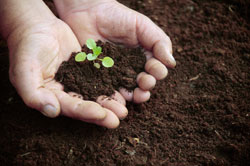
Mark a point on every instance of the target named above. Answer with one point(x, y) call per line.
point(37, 50)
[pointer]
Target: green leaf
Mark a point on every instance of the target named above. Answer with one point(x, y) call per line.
point(107, 62)
point(91, 44)
point(80, 57)
point(97, 65)
point(91, 57)
point(97, 50)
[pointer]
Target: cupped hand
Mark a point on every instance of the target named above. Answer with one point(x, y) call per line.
point(36, 52)
point(108, 20)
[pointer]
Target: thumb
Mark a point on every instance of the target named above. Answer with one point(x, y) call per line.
point(27, 78)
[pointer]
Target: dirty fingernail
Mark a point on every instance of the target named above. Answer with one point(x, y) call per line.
point(49, 111)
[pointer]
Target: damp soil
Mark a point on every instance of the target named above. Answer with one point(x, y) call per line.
point(85, 79)
point(198, 115)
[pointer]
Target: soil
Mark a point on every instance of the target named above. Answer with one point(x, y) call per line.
point(198, 115)
point(85, 79)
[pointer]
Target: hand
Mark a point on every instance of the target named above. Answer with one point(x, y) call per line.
point(36, 51)
point(108, 20)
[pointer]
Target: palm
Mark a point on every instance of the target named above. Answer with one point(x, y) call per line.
point(54, 45)
point(105, 21)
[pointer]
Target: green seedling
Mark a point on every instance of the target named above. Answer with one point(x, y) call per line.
point(96, 51)
point(80, 57)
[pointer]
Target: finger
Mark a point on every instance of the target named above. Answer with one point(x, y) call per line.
point(111, 121)
point(119, 109)
point(128, 95)
point(119, 98)
point(154, 38)
point(79, 109)
point(146, 81)
point(156, 69)
point(141, 96)
point(27, 80)
point(163, 53)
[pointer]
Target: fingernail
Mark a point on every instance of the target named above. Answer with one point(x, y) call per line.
point(49, 111)
point(122, 118)
point(171, 56)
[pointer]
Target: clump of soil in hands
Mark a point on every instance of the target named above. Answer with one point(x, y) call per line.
point(90, 82)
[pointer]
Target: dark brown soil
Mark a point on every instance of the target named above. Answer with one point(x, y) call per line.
point(199, 115)
point(90, 82)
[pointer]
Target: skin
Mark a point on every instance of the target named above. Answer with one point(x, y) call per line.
point(39, 43)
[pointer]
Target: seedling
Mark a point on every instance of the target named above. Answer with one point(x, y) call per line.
point(96, 51)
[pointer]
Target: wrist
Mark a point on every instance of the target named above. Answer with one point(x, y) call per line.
point(20, 15)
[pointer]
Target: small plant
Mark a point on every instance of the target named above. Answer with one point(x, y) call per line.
point(96, 51)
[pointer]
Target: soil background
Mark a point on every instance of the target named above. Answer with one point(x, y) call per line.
point(198, 115)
